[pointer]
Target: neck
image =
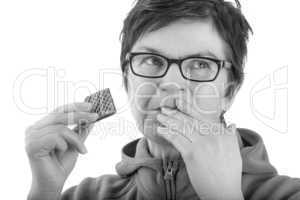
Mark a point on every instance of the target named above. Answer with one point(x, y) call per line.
point(165, 152)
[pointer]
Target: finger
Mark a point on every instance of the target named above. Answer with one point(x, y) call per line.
point(222, 129)
point(83, 130)
point(61, 144)
point(196, 126)
point(74, 107)
point(185, 103)
point(193, 124)
point(59, 130)
point(180, 142)
point(74, 139)
point(66, 119)
point(233, 131)
point(230, 130)
point(184, 126)
point(177, 114)
point(42, 146)
point(46, 143)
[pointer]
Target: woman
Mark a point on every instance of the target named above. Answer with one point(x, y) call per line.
point(182, 63)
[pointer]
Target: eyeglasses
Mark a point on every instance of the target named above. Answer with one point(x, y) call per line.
point(152, 65)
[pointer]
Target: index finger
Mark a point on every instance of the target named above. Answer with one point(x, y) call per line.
point(74, 107)
point(186, 103)
point(83, 130)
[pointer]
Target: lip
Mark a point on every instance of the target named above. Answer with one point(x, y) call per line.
point(153, 111)
point(165, 106)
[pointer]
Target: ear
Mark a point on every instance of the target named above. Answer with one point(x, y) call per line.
point(125, 80)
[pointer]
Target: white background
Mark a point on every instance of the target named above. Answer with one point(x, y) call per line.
point(79, 40)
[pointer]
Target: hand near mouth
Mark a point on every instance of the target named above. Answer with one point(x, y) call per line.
point(209, 149)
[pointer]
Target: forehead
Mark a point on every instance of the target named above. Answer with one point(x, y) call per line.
point(184, 37)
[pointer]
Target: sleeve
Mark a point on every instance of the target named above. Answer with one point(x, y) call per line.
point(261, 180)
point(274, 187)
point(85, 190)
point(107, 186)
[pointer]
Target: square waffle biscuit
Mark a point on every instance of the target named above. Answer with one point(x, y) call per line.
point(103, 103)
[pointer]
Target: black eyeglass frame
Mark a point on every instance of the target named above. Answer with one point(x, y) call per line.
point(220, 64)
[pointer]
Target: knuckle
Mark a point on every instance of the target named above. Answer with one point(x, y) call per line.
point(28, 130)
point(30, 133)
point(54, 116)
point(29, 146)
point(62, 143)
point(52, 128)
point(56, 129)
point(64, 146)
point(63, 129)
point(69, 116)
point(60, 127)
point(69, 133)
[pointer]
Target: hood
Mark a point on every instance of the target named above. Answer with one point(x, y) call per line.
point(152, 175)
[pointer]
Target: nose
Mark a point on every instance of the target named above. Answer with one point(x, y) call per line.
point(173, 81)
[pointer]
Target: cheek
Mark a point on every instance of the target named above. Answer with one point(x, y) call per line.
point(209, 97)
point(140, 93)
point(143, 93)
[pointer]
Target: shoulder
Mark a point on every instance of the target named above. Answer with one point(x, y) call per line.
point(104, 186)
point(250, 137)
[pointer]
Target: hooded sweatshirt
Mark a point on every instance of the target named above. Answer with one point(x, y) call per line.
point(144, 177)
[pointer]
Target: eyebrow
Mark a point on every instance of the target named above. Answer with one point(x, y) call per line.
point(203, 53)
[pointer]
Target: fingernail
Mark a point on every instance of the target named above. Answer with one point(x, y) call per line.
point(94, 115)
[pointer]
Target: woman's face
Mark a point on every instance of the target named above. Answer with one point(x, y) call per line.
point(177, 40)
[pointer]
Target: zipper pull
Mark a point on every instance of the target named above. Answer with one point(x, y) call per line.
point(169, 173)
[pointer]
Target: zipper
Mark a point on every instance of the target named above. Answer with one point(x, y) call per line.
point(169, 178)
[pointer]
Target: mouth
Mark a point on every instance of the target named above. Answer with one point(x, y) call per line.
point(152, 114)
point(153, 111)
point(165, 106)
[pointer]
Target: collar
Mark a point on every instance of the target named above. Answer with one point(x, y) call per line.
point(151, 175)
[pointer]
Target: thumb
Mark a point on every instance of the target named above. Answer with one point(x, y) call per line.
point(83, 130)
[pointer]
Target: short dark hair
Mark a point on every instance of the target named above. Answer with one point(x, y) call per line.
point(151, 15)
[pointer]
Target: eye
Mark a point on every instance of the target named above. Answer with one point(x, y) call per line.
point(200, 64)
point(153, 60)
